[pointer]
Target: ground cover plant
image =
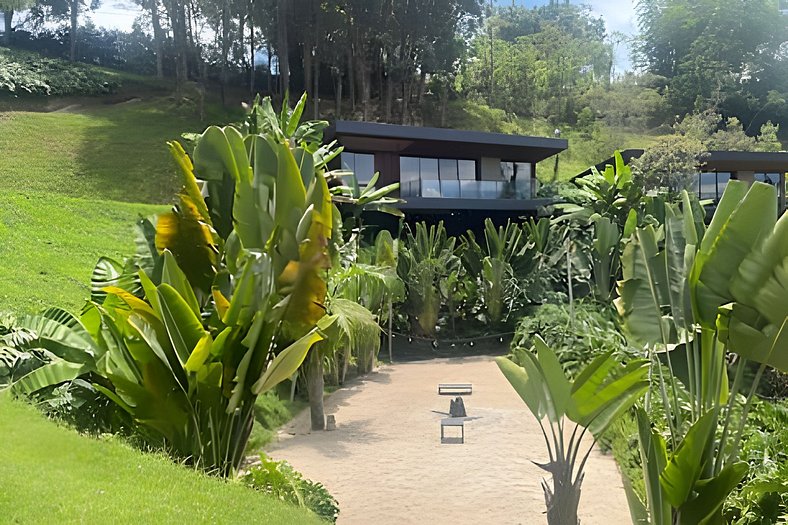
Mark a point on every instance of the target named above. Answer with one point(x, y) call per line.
point(50, 473)
point(23, 73)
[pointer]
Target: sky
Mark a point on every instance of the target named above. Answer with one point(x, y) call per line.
point(619, 15)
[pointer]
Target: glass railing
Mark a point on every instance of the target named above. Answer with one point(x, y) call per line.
point(469, 189)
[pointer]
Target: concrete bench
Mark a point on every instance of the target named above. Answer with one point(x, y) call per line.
point(453, 422)
point(455, 389)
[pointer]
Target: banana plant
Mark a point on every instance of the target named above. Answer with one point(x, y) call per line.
point(428, 257)
point(601, 392)
point(505, 259)
point(227, 302)
point(691, 297)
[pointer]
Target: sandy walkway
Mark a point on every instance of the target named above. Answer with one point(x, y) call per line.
point(385, 463)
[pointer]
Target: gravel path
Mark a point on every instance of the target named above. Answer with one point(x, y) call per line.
point(385, 463)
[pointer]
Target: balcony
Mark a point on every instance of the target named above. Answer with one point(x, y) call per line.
point(524, 189)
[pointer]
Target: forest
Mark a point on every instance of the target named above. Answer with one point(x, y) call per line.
point(408, 61)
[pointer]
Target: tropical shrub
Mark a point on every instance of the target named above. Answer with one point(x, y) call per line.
point(30, 73)
point(690, 295)
point(279, 479)
point(427, 258)
point(228, 298)
point(600, 393)
point(763, 499)
point(576, 339)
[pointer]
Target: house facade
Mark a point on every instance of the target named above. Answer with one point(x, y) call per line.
point(457, 176)
point(720, 167)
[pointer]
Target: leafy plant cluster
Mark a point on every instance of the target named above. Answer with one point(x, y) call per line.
point(28, 73)
point(279, 479)
point(577, 337)
point(763, 498)
point(453, 281)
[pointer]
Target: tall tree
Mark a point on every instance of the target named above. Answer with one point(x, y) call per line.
point(8, 7)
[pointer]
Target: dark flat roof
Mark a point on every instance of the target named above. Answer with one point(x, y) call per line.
point(424, 141)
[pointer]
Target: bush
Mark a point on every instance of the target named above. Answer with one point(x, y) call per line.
point(279, 479)
point(576, 342)
point(764, 497)
point(30, 73)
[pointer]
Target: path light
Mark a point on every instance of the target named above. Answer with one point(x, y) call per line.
point(470, 344)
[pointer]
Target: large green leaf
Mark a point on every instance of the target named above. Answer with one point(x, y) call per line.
point(183, 327)
point(556, 386)
point(706, 507)
point(53, 373)
point(286, 363)
point(686, 463)
point(173, 276)
point(742, 221)
point(653, 457)
point(602, 392)
point(528, 387)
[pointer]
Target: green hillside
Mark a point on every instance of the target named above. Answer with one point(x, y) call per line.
point(49, 474)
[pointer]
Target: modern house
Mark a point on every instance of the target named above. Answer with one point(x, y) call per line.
point(721, 166)
point(455, 175)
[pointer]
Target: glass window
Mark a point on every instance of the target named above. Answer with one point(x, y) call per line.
point(507, 170)
point(428, 169)
point(707, 188)
point(431, 188)
point(450, 188)
point(362, 164)
point(448, 169)
point(348, 161)
point(409, 176)
point(522, 170)
point(722, 181)
point(768, 178)
point(365, 167)
point(467, 169)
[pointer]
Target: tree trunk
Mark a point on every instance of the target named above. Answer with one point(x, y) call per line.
point(283, 51)
point(363, 70)
point(314, 380)
point(268, 73)
point(338, 93)
point(420, 94)
point(307, 64)
point(351, 82)
point(389, 96)
point(225, 47)
point(158, 38)
point(8, 15)
point(316, 74)
point(251, 48)
point(444, 102)
point(405, 99)
point(74, 12)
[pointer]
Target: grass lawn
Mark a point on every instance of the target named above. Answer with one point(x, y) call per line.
point(50, 244)
point(50, 474)
point(72, 185)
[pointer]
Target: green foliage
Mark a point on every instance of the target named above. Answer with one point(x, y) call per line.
point(188, 358)
point(764, 497)
point(280, 480)
point(427, 258)
point(671, 163)
point(576, 340)
point(689, 296)
point(107, 481)
point(709, 52)
point(24, 73)
point(602, 391)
